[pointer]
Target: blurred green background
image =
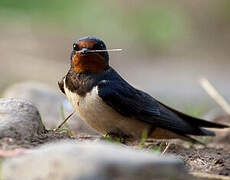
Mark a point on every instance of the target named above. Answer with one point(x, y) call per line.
point(167, 45)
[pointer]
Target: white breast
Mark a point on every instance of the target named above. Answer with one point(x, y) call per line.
point(95, 112)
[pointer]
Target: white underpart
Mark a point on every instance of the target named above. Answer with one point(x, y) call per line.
point(102, 117)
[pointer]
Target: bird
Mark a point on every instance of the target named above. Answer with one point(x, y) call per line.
point(111, 106)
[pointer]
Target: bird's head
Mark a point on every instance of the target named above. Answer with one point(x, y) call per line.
point(89, 55)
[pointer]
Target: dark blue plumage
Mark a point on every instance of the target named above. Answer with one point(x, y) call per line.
point(124, 98)
point(130, 102)
point(118, 107)
point(92, 38)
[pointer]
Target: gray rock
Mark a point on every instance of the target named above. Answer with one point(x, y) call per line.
point(69, 160)
point(49, 102)
point(19, 119)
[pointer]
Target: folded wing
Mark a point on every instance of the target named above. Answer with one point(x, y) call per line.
point(134, 103)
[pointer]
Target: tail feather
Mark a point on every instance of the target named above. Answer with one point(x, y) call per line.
point(188, 138)
point(201, 122)
point(197, 131)
point(196, 121)
point(192, 140)
point(207, 132)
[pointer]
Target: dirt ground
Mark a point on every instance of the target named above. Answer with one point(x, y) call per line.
point(212, 159)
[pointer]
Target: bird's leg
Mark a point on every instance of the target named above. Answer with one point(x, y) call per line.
point(56, 129)
point(150, 131)
point(117, 137)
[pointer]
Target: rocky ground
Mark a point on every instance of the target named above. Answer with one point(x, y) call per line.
point(30, 149)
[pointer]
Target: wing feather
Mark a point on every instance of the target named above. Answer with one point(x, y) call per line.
point(137, 104)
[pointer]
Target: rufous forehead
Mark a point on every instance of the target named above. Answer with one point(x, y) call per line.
point(86, 43)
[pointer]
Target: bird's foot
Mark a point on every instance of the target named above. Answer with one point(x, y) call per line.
point(116, 137)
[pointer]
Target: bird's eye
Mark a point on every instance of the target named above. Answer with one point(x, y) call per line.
point(75, 47)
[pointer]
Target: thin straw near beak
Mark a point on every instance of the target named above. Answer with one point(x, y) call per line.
point(101, 50)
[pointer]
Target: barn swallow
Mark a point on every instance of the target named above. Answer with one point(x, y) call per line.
point(110, 105)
